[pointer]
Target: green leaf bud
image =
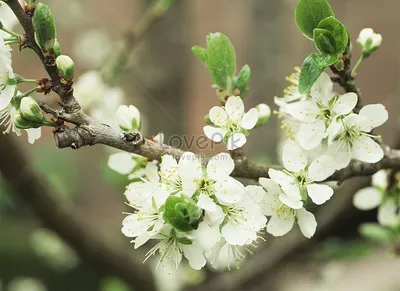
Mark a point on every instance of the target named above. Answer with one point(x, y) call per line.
point(66, 67)
point(45, 28)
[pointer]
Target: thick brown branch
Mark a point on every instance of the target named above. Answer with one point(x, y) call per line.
point(37, 193)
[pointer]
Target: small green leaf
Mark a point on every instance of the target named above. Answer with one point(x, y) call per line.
point(310, 72)
point(221, 59)
point(375, 232)
point(200, 53)
point(243, 79)
point(339, 32)
point(325, 60)
point(309, 13)
point(324, 41)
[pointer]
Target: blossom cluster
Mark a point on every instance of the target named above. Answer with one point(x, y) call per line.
point(195, 211)
point(323, 122)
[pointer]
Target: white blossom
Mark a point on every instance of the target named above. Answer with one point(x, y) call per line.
point(231, 123)
point(275, 204)
point(8, 19)
point(315, 113)
point(377, 195)
point(369, 40)
point(299, 178)
point(352, 140)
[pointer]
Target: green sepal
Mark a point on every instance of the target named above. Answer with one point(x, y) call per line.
point(242, 82)
point(221, 59)
point(182, 213)
point(45, 28)
point(184, 241)
point(57, 49)
point(208, 120)
point(309, 74)
point(309, 13)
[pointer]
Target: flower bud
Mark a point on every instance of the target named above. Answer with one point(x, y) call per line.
point(30, 110)
point(57, 49)
point(66, 67)
point(45, 28)
point(264, 113)
point(182, 213)
point(128, 118)
point(22, 123)
point(369, 41)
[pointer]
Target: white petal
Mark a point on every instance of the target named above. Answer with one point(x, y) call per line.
point(290, 201)
point(345, 104)
point(321, 168)
point(122, 163)
point(303, 110)
point(279, 227)
point(387, 212)
point(319, 194)
point(229, 191)
point(310, 135)
point(6, 96)
point(142, 239)
point(367, 150)
point(235, 109)
point(375, 113)
point(380, 179)
point(220, 166)
point(33, 134)
point(307, 222)
point(189, 169)
point(216, 134)
point(195, 256)
point(218, 116)
point(235, 141)
point(234, 234)
point(367, 198)
point(340, 152)
point(206, 236)
point(322, 88)
point(293, 157)
point(270, 186)
point(286, 182)
point(250, 119)
point(360, 123)
point(333, 130)
point(206, 203)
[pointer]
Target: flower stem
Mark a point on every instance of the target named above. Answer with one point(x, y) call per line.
point(359, 62)
point(10, 32)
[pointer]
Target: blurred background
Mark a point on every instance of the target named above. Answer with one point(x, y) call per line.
point(172, 90)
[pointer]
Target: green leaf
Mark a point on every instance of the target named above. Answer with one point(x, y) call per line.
point(200, 53)
point(339, 32)
point(325, 60)
point(310, 72)
point(243, 79)
point(309, 13)
point(221, 59)
point(375, 232)
point(324, 41)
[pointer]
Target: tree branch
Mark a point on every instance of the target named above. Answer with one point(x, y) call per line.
point(91, 132)
point(37, 193)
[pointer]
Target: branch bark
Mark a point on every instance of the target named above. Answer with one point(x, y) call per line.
point(37, 193)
